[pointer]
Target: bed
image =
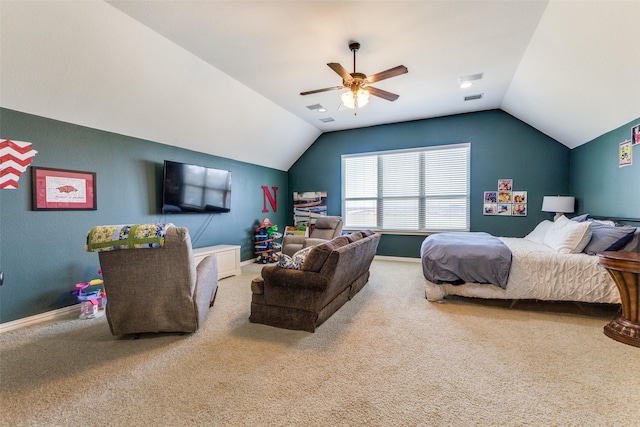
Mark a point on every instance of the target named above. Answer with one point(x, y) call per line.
point(547, 264)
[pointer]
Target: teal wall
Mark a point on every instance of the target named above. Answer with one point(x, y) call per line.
point(41, 252)
point(42, 256)
point(600, 186)
point(501, 147)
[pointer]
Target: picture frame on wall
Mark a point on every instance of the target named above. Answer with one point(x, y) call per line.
point(63, 189)
point(519, 197)
point(505, 184)
point(506, 201)
point(504, 209)
point(625, 154)
point(635, 135)
point(490, 209)
point(504, 197)
point(490, 196)
point(519, 209)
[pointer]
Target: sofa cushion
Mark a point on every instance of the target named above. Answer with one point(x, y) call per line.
point(294, 262)
point(320, 253)
point(300, 256)
point(286, 262)
point(321, 233)
point(354, 236)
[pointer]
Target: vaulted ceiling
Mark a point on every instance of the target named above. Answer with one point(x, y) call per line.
point(224, 77)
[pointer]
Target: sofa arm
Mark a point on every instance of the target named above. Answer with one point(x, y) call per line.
point(275, 275)
point(206, 279)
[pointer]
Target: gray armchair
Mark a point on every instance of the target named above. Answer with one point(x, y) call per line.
point(158, 290)
point(326, 228)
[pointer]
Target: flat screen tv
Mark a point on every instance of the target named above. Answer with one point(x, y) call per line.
point(190, 188)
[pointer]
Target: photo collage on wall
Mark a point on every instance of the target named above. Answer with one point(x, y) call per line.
point(505, 201)
point(625, 157)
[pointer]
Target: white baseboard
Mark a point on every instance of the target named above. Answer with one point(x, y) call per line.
point(396, 258)
point(61, 313)
point(380, 257)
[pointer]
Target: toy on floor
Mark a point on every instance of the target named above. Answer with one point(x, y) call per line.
point(92, 298)
point(266, 247)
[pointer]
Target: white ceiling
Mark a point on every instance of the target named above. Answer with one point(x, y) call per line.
point(224, 77)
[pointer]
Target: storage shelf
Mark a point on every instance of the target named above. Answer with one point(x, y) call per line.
point(228, 257)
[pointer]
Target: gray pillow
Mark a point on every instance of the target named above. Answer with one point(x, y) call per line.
point(580, 218)
point(608, 238)
point(634, 243)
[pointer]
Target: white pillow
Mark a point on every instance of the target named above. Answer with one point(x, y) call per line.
point(566, 236)
point(294, 262)
point(538, 233)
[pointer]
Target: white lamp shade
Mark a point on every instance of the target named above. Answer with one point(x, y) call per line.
point(558, 204)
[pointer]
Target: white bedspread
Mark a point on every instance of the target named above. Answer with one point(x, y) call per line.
point(539, 272)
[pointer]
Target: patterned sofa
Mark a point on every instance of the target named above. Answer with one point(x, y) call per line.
point(331, 274)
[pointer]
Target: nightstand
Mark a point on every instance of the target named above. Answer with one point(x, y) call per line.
point(624, 267)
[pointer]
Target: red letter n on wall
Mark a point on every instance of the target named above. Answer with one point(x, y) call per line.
point(266, 194)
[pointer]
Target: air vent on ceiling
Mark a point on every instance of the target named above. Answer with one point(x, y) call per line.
point(470, 78)
point(327, 120)
point(473, 97)
point(314, 107)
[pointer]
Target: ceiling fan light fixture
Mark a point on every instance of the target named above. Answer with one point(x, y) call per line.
point(355, 98)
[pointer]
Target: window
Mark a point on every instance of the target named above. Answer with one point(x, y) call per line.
point(415, 190)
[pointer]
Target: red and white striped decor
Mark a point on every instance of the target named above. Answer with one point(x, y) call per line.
point(15, 156)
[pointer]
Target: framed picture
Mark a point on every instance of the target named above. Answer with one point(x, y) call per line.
point(490, 196)
point(624, 154)
point(504, 209)
point(505, 184)
point(490, 209)
point(519, 209)
point(308, 206)
point(519, 197)
point(635, 135)
point(504, 197)
point(61, 189)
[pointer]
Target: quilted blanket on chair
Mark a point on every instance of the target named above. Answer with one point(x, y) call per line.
point(128, 236)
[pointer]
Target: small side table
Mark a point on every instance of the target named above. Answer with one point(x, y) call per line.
point(624, 267)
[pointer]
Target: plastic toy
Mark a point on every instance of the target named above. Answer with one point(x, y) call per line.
point(266, 247)
point(92, 298)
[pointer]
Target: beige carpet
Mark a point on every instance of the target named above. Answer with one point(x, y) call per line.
point(387, 358)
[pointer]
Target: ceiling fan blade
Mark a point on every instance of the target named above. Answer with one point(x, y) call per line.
point(391, 72)
point(326, 89)
point(342, 72)
point(382, 93)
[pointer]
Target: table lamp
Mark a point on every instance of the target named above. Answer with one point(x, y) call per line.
point(558, 204)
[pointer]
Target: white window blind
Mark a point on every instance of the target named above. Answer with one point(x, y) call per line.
point(425, 189)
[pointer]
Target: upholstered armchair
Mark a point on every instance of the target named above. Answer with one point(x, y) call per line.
point(326, 228)
point(156, 289)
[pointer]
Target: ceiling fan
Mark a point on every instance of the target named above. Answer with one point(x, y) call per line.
point(358, 83)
